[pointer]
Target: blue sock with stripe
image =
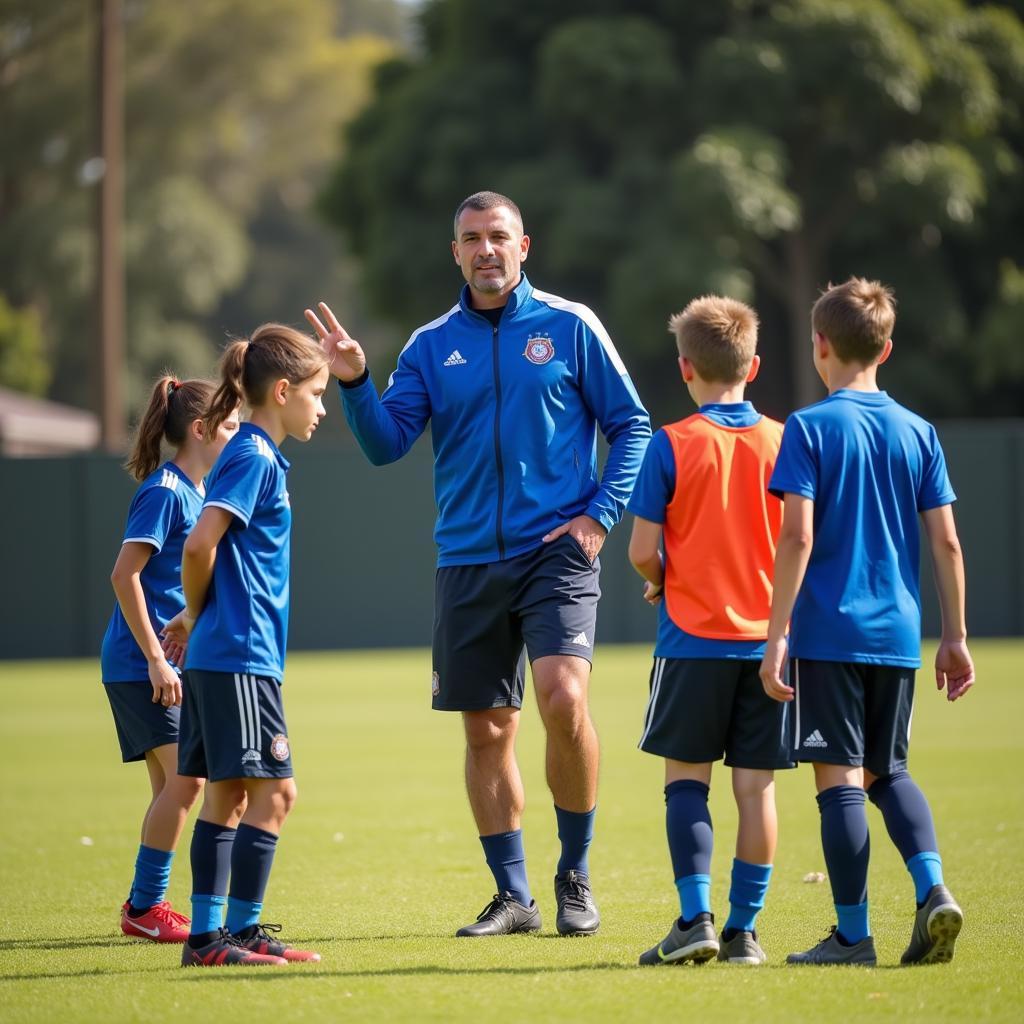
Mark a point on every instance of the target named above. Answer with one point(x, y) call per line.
point(211, 867)
point(908, 820)
point(690, 841)
point(251, 860)
point(746, 894)
point(575, 832)
point(152, 873)
point(847, 848)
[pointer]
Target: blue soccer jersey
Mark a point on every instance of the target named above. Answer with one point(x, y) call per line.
point(162, 513)
point(654, 490)
point(244, 625)
point(870, 466)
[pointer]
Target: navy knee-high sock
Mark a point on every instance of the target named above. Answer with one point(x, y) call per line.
point(251, 861)
point(908, 820)
point(690, 841)
point(845, 842)
point(211, 866)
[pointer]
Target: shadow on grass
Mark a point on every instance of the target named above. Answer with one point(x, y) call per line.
point(412, 972)
point(64, 942)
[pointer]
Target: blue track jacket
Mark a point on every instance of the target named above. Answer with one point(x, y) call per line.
point(515, 410)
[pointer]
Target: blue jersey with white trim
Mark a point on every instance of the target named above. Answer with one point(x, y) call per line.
point(514, 410)
point(244, 624)
point(163, 511)
point(870, 466)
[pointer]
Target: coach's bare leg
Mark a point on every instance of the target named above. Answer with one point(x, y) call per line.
point(173, 797)
point(562, 683)
point(493, 782)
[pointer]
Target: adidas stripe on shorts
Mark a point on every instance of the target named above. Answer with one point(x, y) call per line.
point(486, 616)
point(851, 713)
point(232, 727)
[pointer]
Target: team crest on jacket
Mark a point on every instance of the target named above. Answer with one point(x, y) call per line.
point(279, 747)
point(539, 349)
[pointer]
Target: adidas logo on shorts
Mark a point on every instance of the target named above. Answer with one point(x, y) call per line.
point(251, 757)
point(815, 740)
point(580, 639)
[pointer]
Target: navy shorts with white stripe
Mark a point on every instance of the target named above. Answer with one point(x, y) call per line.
point(232, 727)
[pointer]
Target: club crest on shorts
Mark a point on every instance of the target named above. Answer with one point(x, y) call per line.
point(539, 349)
point(435, 684)
point(279, 747)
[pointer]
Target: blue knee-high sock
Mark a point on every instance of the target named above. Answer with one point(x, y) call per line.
point(152, 873)
point(690, 840)
point(575, 831)
point(507, 860)
point(211, 865)
point(746, 894)
point(844, 839)
point(908, 820)
point(251, 861)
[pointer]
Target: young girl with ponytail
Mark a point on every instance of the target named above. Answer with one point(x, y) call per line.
point(143, 687)
point(235, 620)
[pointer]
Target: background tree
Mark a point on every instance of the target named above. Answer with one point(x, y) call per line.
point(232, 110)
point(661, 150)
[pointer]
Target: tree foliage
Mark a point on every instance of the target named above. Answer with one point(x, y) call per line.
point(232, 110)
point(660, 150)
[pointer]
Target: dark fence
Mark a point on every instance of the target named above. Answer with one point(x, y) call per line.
point(363, 558)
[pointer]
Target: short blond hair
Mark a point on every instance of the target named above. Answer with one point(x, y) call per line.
point(857, 317)
point(719, 336)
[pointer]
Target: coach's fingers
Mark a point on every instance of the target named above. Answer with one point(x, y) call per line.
point(314, 322)
point(557, 532)
point(332, 321)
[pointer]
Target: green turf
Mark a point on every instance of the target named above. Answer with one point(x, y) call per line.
point(380, 863)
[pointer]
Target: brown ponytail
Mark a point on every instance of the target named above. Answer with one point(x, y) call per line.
point(173, 405)
point(249, 367)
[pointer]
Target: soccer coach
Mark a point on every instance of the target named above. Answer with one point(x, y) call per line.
point(516, 382)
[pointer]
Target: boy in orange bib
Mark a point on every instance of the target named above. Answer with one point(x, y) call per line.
point(702, 497)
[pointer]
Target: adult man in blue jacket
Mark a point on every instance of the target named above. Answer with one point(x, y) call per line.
point(515, 382)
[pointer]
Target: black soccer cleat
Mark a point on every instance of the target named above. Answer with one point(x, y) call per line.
point(504, 915)
point(577, 912)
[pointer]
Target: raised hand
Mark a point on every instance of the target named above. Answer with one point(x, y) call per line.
point(347, 360)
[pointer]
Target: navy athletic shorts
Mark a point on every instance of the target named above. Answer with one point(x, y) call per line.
point(141, 725)
point(486, 615)
point(232, 727)
point(854, 714)
point(703, 708)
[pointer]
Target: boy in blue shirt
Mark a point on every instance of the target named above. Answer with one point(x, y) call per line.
point(857, 471)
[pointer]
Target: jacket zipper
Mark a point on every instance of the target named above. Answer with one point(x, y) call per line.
point(497, 443)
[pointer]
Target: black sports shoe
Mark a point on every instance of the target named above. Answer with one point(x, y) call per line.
point(504, 915)
point(577, 912)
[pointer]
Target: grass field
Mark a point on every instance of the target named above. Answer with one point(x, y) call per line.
point(380, 863)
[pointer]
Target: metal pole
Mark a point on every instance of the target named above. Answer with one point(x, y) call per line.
point(110, 210)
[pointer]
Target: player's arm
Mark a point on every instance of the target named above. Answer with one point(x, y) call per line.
point(645, 556)
point(792, 553)
point(954, 668)
point(197, 561)
point(126, 579)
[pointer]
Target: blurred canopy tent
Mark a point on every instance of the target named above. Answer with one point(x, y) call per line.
point(33, 426)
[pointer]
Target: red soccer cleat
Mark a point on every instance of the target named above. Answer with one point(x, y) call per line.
point(261, 942)
point(227, 951)
point(158, 924)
